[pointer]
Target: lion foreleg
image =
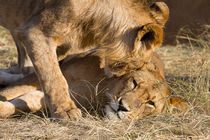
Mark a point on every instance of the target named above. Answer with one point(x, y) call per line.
point(42, 52)
point(25, 85)
point(29, 102)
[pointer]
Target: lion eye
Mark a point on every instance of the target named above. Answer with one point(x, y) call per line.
point(134, 83)
point(150, 102)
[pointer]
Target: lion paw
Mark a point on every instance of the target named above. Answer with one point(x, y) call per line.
point(6, 109)
point(73, 114)
point(110, 113)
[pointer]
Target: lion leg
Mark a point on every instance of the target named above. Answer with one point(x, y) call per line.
point(42, 51)
point(24, 63)
point(7, 78)
point(25, 85)
point(29, 102)
point(24, 67)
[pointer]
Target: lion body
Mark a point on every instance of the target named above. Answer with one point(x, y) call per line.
point(92, 91)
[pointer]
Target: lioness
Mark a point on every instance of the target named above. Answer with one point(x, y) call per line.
point(137, 94)
point(123, 33)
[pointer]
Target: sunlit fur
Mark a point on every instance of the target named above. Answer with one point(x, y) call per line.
point(110, 27)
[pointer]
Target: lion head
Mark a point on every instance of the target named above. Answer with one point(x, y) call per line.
point(143, 93)
point(136, 40)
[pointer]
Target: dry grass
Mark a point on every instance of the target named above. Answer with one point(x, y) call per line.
point(8, 54)
point(188, 75)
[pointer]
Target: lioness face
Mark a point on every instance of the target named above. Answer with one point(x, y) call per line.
point(141, 95)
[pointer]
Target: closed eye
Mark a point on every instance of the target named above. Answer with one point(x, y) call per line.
point(150, 102)
point(134, 83)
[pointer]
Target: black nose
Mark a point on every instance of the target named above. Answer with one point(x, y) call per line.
point(121, 106)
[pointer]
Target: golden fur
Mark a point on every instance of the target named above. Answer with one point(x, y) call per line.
point(123, 33)
point(138, 94)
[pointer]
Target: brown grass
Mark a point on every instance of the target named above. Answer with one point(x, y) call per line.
point(8, 53)
point(188, 73)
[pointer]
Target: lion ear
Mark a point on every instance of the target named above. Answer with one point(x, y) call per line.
point(160, 12)
point(148, 37)
point(178, 105)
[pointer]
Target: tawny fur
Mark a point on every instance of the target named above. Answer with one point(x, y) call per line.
point(92, 91)
point(121, 32)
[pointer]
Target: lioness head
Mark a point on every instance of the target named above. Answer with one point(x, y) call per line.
point(142, 93)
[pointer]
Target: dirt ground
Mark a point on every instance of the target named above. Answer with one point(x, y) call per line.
point(187, 68)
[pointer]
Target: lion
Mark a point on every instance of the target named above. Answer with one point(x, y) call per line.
point(123, 34)
point(140, 93)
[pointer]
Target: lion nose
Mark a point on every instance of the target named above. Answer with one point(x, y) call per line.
point(122, 106)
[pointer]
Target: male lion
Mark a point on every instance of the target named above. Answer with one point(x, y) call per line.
point(122, 32)
point(137, 94)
